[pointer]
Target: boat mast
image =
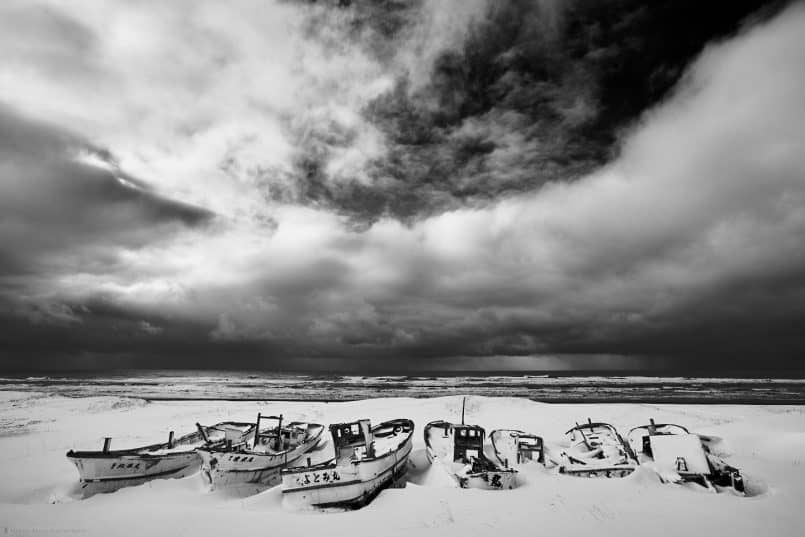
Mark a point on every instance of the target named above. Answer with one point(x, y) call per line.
point(463, 404)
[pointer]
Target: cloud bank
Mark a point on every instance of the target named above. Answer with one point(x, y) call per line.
point(398, 184)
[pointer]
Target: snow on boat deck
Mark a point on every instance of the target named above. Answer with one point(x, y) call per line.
point(387, 444)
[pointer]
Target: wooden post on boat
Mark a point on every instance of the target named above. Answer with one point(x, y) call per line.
point(202, 432)
point(652, 429)
point(107, 442)
point(170, 440)
point(256, 430)
point(278, 444)
point(583, 436)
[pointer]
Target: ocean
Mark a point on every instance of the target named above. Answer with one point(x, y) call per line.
point(259, 386)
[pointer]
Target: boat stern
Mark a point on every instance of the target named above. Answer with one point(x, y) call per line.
point(503, 479)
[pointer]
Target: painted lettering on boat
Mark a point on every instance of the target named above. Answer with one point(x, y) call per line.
point(313, 478)
point(124, 465)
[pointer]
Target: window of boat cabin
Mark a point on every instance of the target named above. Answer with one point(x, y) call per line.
point(347, 434)
point(468, 443)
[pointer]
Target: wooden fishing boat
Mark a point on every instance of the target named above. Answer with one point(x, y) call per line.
point(108, 470)
point(679, 456)
point(259, 460)
point(517, 447)
point(596, 450)
point(366, 460)
point(459, 449)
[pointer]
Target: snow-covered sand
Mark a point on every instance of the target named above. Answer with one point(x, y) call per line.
point(38, 484)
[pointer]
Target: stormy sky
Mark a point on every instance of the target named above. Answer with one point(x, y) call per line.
point(402, 185)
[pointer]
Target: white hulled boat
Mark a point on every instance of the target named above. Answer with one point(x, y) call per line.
point(366, 460)
point(679, 456)
point(459, 449)
point(596, 450)
point(108, 470)
point(259, 459)
point(514, 447)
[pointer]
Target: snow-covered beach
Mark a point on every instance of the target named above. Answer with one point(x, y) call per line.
point(39, 490)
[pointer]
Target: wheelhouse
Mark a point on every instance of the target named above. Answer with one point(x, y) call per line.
point(468, 442)
point(352, 440)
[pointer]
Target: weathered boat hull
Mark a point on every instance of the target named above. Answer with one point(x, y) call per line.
point(107, 471)
point(685, 456)
point(501, 479)
point(481, 474)
point(610, 471)
point(222, 468)
point(490, 480)
point(99, 475)
point(513, 447)
point(218, 473)
point(346, 484)
point(126, 467)
point(605, 453)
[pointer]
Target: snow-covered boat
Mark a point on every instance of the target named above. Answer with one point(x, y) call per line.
point(260, 458)
point(517, 447)
point(459, 449)
point(679, 456)
point(596, 450)
point(107, 470)
point(366, 460)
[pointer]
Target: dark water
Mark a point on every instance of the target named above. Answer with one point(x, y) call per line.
point(167, 385)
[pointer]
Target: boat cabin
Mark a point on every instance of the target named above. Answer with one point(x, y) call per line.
point(277, 438)
point(640, 438)
point(530, 448)
point(281, 439)
point(468, 442)
point(352, 440)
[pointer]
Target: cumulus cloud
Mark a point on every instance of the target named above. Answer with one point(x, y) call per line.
point(686, 243)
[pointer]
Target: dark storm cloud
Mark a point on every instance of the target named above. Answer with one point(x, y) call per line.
point(666, 254)
point(47, 185)
point(407, 185)
point(536, 91)
point(61, 214)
